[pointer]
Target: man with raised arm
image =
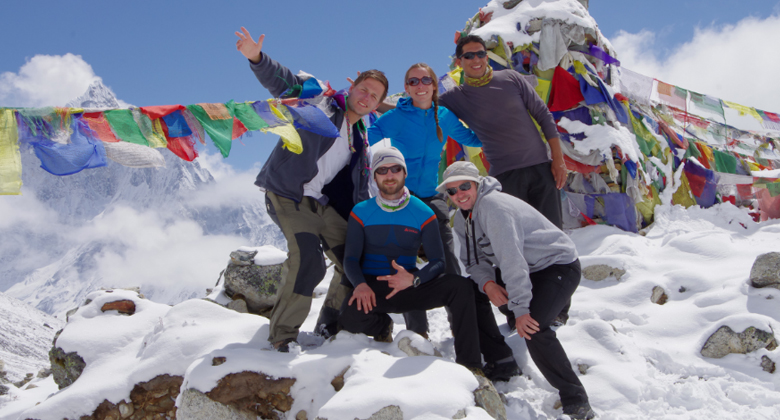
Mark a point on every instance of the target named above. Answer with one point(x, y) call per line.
point(538, 262)
point(383, 237)
point(310, 195)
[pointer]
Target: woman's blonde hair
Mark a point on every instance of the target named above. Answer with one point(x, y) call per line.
point(435, 93)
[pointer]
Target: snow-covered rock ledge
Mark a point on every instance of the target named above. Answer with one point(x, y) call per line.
point(164, 362)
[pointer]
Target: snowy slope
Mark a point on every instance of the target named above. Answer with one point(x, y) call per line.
point(25, 337)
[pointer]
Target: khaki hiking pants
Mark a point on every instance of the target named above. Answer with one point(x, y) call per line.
point(309, 228)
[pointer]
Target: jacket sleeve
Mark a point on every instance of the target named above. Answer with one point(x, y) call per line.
point(454, 128)
point(537, 108)
point(506, 237)
point(274, 76)
point(481, 273)
point(353, 250)
point(434, 250)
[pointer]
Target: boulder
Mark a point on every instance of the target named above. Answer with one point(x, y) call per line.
point(4, 390)
point(417, 347)
point(766, 271)
point(195, 405)
point(600, 272)
point(486, 397)
point(248, 394)
point(124, 306)
point(66, 367)
point(255, 284)
point(725, 341)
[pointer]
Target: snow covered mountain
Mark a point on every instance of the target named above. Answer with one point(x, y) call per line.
point(69, 235)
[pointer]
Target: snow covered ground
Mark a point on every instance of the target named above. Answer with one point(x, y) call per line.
point(643, 359)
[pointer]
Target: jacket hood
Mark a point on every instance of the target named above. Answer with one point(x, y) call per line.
point(406, 104)
point(487, 185)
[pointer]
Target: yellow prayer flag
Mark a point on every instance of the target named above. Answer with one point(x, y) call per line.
point(744, 110)
point(290, 137)
point(543, 88)
point(158, 135)
point(10, 158)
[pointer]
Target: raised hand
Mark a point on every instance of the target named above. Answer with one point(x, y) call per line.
point(247, 46)
point(399, 281)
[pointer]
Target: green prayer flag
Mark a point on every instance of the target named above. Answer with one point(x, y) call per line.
point(724, 162)
point(247, 115)
point(124, 126)
point(220, 131)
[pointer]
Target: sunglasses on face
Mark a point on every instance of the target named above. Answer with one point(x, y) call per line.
point(394, 169)
point(414, 81)
point(462, 187)
point(471, 55)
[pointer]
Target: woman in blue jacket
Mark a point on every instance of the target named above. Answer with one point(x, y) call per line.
point(418, 128)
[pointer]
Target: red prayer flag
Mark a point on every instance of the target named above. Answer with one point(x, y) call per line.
point(564, 91)
point(238, 128)
point(159, 111)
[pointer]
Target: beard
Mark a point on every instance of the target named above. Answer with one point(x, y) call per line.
point(389, 190)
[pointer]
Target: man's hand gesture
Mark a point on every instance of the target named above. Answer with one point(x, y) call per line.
point(247, 46)
point(398, 281)
point(365, 298)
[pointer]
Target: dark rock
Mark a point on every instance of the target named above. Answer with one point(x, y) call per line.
point(725, 341)
point(767, 364)
point(155, 399)
point(124, 306)
point(4, 390)
point(256, 285)
point(487, 397)
point(218, 361)
point(66, 367)
point(338, 381)
point(658, 296)
point(766, 271)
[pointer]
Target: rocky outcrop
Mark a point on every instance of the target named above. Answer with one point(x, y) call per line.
point(725, 341)
point(600, 272)
point(255, 285)
point(766, 271)
point(244, 395)
point(420, 347)
point(66, 367)
point(155, 399)
point(126, 307)
point(768, 365)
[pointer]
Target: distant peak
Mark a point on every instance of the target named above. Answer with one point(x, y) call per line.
point(96, 96)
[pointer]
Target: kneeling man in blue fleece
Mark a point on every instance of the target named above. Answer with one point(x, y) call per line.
point(538, 263)
point(383, 236)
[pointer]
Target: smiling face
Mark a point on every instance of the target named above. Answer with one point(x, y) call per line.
point(391, 184)
point(364, 97)
point(422, 94)
point(476, 67)
point(465, 200)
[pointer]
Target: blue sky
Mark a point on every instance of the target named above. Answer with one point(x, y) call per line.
point(166, 52)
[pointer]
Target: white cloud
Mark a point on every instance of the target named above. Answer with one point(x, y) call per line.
point(46, 80)
point(736, 63)
point(231, 187)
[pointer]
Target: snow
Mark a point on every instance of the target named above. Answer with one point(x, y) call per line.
point(643, 359)
point(266, 254)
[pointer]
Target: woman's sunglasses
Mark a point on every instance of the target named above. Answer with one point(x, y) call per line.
point(414, 81)
point(394, 169)
point(470, 55)
point(463, 187)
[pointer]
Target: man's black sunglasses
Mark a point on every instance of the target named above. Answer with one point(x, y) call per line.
point(394, 169)
point(414, 81)
point(463, 187)
point(470, 55)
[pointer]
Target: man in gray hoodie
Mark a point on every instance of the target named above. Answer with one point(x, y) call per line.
point(538, 262)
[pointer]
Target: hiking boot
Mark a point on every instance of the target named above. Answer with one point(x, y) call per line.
point(386, 336)
point(284, 345)
point(579, 411)
point(327, 331)
point(560, 320)
point(501, 371)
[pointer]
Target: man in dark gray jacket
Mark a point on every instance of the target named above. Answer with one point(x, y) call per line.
point(538, 263)
point(310, 195)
